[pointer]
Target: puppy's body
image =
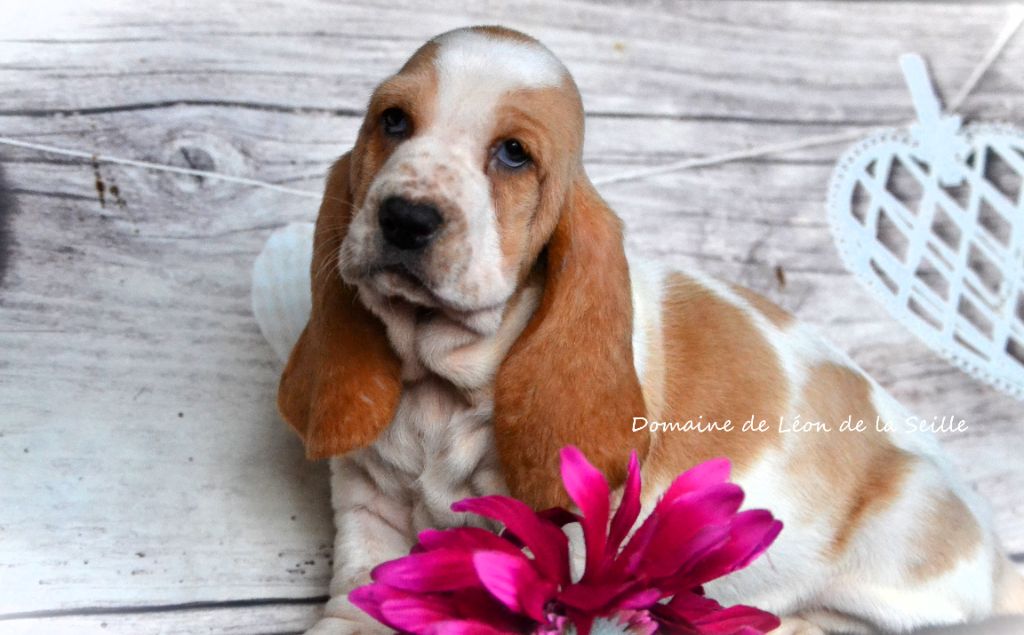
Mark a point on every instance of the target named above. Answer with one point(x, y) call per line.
point(879, 533)
point(455, 357)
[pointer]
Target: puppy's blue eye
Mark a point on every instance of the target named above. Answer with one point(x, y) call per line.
point(395, 122)
point(512, 154)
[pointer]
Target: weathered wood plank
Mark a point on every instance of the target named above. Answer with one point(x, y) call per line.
point(114, 319)
point(730, 59)
point(265, 619)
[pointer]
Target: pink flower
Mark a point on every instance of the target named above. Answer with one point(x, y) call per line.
point(469, 581)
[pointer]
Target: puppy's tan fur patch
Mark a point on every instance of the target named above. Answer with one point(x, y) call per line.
point(717, 365)
point(853, 474)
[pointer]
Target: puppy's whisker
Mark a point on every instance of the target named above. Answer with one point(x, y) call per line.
point(347, 204)
point(330, 264)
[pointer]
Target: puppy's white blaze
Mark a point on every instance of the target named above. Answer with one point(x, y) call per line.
point(466, 57)
point(474, 72)
point(492, 284)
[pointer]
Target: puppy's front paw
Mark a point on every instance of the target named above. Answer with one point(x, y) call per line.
point(341, 617)
point(342, 626)
point(797, 626)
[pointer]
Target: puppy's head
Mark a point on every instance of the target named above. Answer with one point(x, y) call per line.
point(466, 170)
point(459, 172)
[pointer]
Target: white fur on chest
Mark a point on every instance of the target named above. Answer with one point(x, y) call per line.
point(439, 447)
point(438, 450)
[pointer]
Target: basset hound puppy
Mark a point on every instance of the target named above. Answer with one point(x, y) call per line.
point(474, 311)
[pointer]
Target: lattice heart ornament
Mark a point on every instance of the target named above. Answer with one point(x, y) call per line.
point(931, 220)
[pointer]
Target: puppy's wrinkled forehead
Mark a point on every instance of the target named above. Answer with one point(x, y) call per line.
point(473, 72)
point(487, 63)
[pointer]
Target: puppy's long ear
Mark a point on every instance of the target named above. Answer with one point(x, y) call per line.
point(341, 385)
point(570, 378)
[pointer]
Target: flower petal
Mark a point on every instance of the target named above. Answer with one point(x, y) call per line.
point(464, 627)
point(559, 516)
point(371, 596)
point(480, 606)
point(700, 481)
point(629, 508)
point(514, 582)
point(629, 559)
point(710, 618)
point(660, 543)
point(466, 538)
point(415, 614)
point(438, 570)
point(696, 478)
point(751, 532)
point(546, 541)
point(671, 571)
point(595, 598)
point(641, 599)
point(588, 488)
point(605, 599)
point(736, 619)
point(690, 606)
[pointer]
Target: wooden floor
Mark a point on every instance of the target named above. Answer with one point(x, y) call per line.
point(147, 484)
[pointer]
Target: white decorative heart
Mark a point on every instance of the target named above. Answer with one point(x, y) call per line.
point(931, 220)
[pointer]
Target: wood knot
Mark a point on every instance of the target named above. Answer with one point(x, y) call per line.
point(206, 153)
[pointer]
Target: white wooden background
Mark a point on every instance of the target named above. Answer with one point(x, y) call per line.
point(146, 484)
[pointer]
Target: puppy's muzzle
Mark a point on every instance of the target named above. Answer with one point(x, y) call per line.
point(408, 225)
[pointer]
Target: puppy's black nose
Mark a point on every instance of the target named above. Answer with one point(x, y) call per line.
point(408, 225)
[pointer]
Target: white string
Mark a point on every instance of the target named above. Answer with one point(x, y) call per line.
point(1015, 19)
point(158, 167)
point(735, 155)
